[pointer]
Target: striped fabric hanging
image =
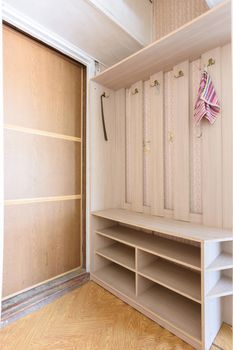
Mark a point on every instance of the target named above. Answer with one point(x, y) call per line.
point(207, 104)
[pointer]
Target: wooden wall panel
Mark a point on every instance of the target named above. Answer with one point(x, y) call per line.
point(136, 115)
point(147, 134)
point(41, 242)
point(38, 166)
point(52, 92)
point(227, 136)
point(212, 152)
point(172, 14)
point(181, 142)
point(157, 144)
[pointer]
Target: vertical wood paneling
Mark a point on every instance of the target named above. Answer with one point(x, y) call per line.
point(120, 104)
point(181, 142)
point(128, 151)
point(227, 134)
point(136, 114)
point(212, 152)
point(157, 130)
point(195, 142)
point(168, 141)
point(146, 147)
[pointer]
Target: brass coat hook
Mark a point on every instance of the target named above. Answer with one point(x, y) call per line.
point(180, 74)
point(155, 83)
point(211, 62)
point(135, 91)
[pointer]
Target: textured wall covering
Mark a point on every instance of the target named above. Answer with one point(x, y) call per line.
point(171, 14)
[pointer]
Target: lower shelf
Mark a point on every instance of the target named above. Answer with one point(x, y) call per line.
point(175, 309)
point(222, 288)
point(119, 278)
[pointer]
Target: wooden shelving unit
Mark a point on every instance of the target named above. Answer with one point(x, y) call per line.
point(162, 271)
point(223, 287)
point(119, 253)
point(183, 281)
point(180, 312)
point(223, 261)
point(204, 33)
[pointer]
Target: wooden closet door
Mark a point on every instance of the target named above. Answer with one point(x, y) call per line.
point(43, 111)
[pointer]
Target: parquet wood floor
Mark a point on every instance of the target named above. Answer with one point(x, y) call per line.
point(90, 318)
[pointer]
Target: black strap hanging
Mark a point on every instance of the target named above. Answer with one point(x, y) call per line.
point(102, 112)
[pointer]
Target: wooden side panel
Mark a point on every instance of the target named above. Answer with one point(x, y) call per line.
point(227, 135)
point(157, 148)
point(38, 166)
point(181, 142)
point(105, 185)
point(41, 242)
point(147, 134)
point(136, 115)
point(120, 103)
point(212, 152)
point(52, 92)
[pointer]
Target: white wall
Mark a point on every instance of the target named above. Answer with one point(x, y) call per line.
point(133, 15)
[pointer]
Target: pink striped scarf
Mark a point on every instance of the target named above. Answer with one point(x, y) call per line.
point(207, 104)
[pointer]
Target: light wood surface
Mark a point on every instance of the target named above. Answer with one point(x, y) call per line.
point(174, 227)
point(212, 180)
point(110, 323)
point(177, 310)
point(41, 199)
point(171, 14)
point(157, 146)
point(181, 186)
point(181, 253)
point(52, 92)
point(42, 240)
point(44, 166)
point(176, 47)
point(223, 287)
point(118, 277)
point(119, 253)
point(223, 261)
point(182, 281)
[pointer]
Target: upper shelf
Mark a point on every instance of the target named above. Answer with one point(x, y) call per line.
point(204, 33)
point(198, 233)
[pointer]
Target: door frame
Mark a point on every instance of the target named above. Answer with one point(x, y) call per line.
point(42, 34)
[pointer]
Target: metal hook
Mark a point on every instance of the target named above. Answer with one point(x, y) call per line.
point(135, 91)
point(102, 114)
point(180, 74)
point(155, 83)
point(211, 62)
point(104, 95)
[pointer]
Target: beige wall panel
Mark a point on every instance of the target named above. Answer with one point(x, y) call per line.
point(212, 152)
point(181, 142)
point(157, 144)
point(42, 240)
point(39, 166)
point(49, 83)
point(172, 14)
point(227, 135)
point(136, 115)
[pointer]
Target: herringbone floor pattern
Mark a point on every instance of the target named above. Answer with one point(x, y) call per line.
point(90, 318)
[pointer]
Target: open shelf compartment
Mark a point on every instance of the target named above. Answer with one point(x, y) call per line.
point(115, 276)
point(183, 314)
point(170, 275)
point(171, 250)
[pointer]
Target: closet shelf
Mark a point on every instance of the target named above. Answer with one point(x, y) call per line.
point(223, 261)
point(171, 276)
point(222, 288)
point(120, 254)
point(118, 278)
point(198, 233)
point(204, 33)
point(180, 312)
point(178, 252)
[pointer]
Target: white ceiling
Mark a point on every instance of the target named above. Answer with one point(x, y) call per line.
point(212, 3)
point(83, 25)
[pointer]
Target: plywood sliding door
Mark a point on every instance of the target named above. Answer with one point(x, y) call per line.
point(43, 113)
